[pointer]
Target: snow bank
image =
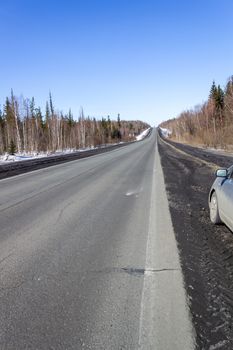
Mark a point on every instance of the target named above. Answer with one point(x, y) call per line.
point(142, 135)
point(165, 132)
point(27, 156)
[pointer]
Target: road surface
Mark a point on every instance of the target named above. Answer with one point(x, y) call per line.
point(88, 257)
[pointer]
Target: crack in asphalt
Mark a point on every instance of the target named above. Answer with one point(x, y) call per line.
point(6, 257)
point(61, 211)
point(14, 286)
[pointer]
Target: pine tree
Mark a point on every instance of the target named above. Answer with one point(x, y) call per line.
point(109, 123)
point(40, 127)
point(228, 100)
point(12, 148)
point(217, 96)
point(118, 120)
point(70, 120)
point(219, 99)
point(229, 87)
point(213, 91)
point(47, 112)
point(51, 104)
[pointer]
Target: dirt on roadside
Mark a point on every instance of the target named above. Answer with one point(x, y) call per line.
point(206, 251)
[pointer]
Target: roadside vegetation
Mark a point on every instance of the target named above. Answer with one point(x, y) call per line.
point(25, 129)
point(209, 124)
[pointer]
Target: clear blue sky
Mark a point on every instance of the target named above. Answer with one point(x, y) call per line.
point(144, 59)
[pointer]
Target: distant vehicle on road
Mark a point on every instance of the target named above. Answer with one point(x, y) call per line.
point(221, 198)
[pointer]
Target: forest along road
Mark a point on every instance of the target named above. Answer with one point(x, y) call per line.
point(88, 257)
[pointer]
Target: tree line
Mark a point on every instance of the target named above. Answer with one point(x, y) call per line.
point(24, 128)
point(210, 123)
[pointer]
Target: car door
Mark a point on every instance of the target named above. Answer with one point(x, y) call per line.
point(227, 201)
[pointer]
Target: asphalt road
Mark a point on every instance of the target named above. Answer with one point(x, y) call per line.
point(88, 257)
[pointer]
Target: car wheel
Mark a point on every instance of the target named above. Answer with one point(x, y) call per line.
point(214, 213)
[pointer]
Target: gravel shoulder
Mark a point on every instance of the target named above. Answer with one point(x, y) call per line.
point(206, 251)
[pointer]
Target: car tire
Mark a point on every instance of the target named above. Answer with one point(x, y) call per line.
point(214, 212)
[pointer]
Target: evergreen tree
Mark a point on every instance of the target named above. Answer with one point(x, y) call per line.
point(38, 115)
point(118, 120)
point(105, 131)
point(229, 87)
point(70, 120)
point(213, 91)
point(12, 148)
point(32, 107)
point(47, 112)
point(51, 104)
point(116, 134)
point(219, 98)
point(109, 123)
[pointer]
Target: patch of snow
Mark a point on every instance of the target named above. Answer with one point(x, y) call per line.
point(22, 156)
point(142, 135)
point(165, 132)
point(34, 155)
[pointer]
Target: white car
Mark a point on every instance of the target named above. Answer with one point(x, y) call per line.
point(221, 198)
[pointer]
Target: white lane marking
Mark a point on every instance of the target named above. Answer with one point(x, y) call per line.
point(164, 316)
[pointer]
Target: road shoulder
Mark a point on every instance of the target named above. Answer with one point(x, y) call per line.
point(205, 250)
point(165, 321)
